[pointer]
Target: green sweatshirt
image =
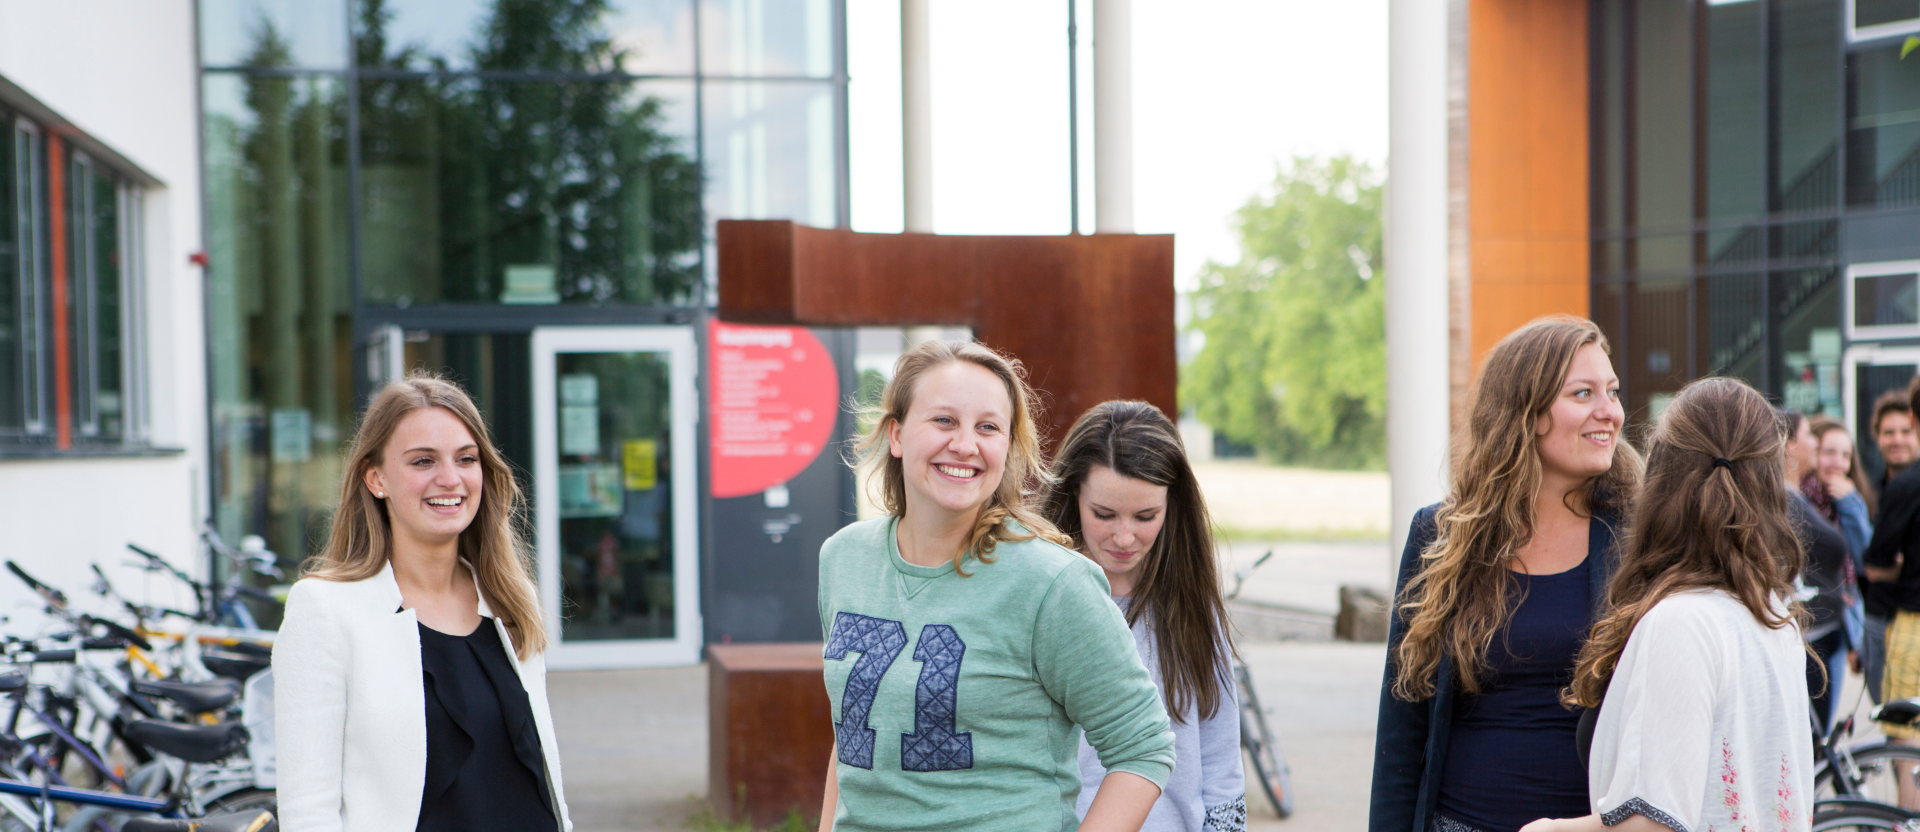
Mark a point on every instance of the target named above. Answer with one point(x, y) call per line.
point(956, 700)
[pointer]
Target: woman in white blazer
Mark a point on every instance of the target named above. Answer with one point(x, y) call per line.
point(411, 685)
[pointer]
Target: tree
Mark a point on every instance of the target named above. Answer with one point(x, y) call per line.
point(1293, 360)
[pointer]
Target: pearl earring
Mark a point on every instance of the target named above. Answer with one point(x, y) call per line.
point(380, 494)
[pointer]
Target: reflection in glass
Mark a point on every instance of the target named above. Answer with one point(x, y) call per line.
point(1736, 326)
point(1609, 153)
point(94, 261)
point(1808, 108)
point(1663, 124)
point(1883, 135)
point(1805, 240)
point(767, 37)
point(641, 37)
point(770, 151)
point(1806, 305)
point(1667, 254)
point(1886, 300)
point(313, 33)
point(12, 404)
point(615, 506)
point(1735, 117)
point(527, 192)
point(1656, 356)
point(1875, 12)
point(495, 369)
point(280, 306)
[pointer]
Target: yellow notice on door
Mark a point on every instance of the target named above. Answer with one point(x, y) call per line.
point(641, 459)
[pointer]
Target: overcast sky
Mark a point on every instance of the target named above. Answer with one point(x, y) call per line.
point(1223, 90)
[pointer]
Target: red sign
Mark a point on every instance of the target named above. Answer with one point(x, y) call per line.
point(775, 396)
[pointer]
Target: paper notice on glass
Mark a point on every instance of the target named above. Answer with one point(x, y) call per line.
point(291, 432)
point(641, 460)
point(579, 430)
point(589, 491)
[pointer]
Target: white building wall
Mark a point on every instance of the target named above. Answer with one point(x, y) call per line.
point(127, 75)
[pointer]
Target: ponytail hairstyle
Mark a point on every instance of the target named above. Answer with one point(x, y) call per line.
point(1712, 514)
point(362, 538)
point(1178, 590)
point(1460, 597)
point(1025, 471)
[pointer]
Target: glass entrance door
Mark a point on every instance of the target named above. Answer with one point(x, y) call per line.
point(1870, 370)
point(614, 494)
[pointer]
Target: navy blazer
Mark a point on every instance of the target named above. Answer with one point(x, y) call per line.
point(1410, 743)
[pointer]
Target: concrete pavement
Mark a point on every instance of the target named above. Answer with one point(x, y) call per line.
point(633, 743)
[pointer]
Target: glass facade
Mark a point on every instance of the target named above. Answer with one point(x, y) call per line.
point(452, 174)
point(1749, 158)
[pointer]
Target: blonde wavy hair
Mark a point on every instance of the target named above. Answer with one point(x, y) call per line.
point(1008, 514)
point(1458, 601)
point(362, 536)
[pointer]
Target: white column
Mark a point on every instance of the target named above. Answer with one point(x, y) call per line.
point(916, 113)
point(1113, 116)
point(1416, 258)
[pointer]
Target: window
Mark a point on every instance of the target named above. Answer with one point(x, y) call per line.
point(69, 291)
point(1871, 19)
point(1883, 300)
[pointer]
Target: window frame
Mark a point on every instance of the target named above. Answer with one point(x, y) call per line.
point(1877, 31)
point(1883, 268)
point(31, 245)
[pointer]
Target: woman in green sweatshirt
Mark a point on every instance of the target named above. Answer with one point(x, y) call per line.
point(1015, 645)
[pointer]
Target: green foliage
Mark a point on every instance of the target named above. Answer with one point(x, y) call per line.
point(1294, 359)
point(707, 820)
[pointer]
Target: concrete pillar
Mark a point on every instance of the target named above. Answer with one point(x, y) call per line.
point(1416, 259)
point(1113, 116)
point(916, 112)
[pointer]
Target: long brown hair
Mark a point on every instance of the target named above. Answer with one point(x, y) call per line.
point(362, 537)
point(1701, 524)
point(1823, 425)
point(1025, 471)
point(1178, 590)
point(1460, 597)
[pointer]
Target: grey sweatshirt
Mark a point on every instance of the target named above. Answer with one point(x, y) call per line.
point(1207, 790)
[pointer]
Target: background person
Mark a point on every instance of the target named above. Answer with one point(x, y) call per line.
point(1850, 508)
point(1897, 533)
point(1893, 434)
point(1124, 493)
point(1828, 582)
point(1013, 640)
point(1698, 660)
point(1498, 587)
point(411, 683)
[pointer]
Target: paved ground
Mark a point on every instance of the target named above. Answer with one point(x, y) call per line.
point(633, 743)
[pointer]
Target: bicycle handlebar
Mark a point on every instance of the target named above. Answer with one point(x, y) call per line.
point(53, 597)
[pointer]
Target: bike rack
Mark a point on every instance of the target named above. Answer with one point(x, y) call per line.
point(87, 797)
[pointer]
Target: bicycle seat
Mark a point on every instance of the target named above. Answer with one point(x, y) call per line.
point(236, 822)
point(193, 743)
point(197, 697)
point(1898, 712)
point(12, 680)
point(238, 666)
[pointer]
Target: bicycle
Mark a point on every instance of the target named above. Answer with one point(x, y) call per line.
point(1256, 736)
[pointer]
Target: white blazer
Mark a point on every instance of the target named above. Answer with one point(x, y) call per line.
point(350, 713)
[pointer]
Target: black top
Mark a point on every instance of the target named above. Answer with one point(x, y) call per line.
point(1826, 569)
point(1898, 530)
point(1510, 757)
point(1412, 743)
point(1880, 599)
point(485, 770)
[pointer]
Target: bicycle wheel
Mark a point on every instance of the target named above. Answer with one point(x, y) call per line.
point(1858, 817)
point(1269, 765)
point(1875, 774)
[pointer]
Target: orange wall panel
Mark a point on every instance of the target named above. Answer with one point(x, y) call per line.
point(1527, 163)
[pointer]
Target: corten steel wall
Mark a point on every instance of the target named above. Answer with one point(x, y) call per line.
point(1527, 203)
point(1091, 316)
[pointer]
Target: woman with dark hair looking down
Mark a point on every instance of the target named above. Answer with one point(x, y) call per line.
point(1124, 493)
point(1697, 667)
point(1498, 587)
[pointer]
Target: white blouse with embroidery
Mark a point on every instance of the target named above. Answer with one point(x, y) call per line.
point(1705, 724)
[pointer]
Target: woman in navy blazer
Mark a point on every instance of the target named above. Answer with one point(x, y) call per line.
point(1498, 587)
